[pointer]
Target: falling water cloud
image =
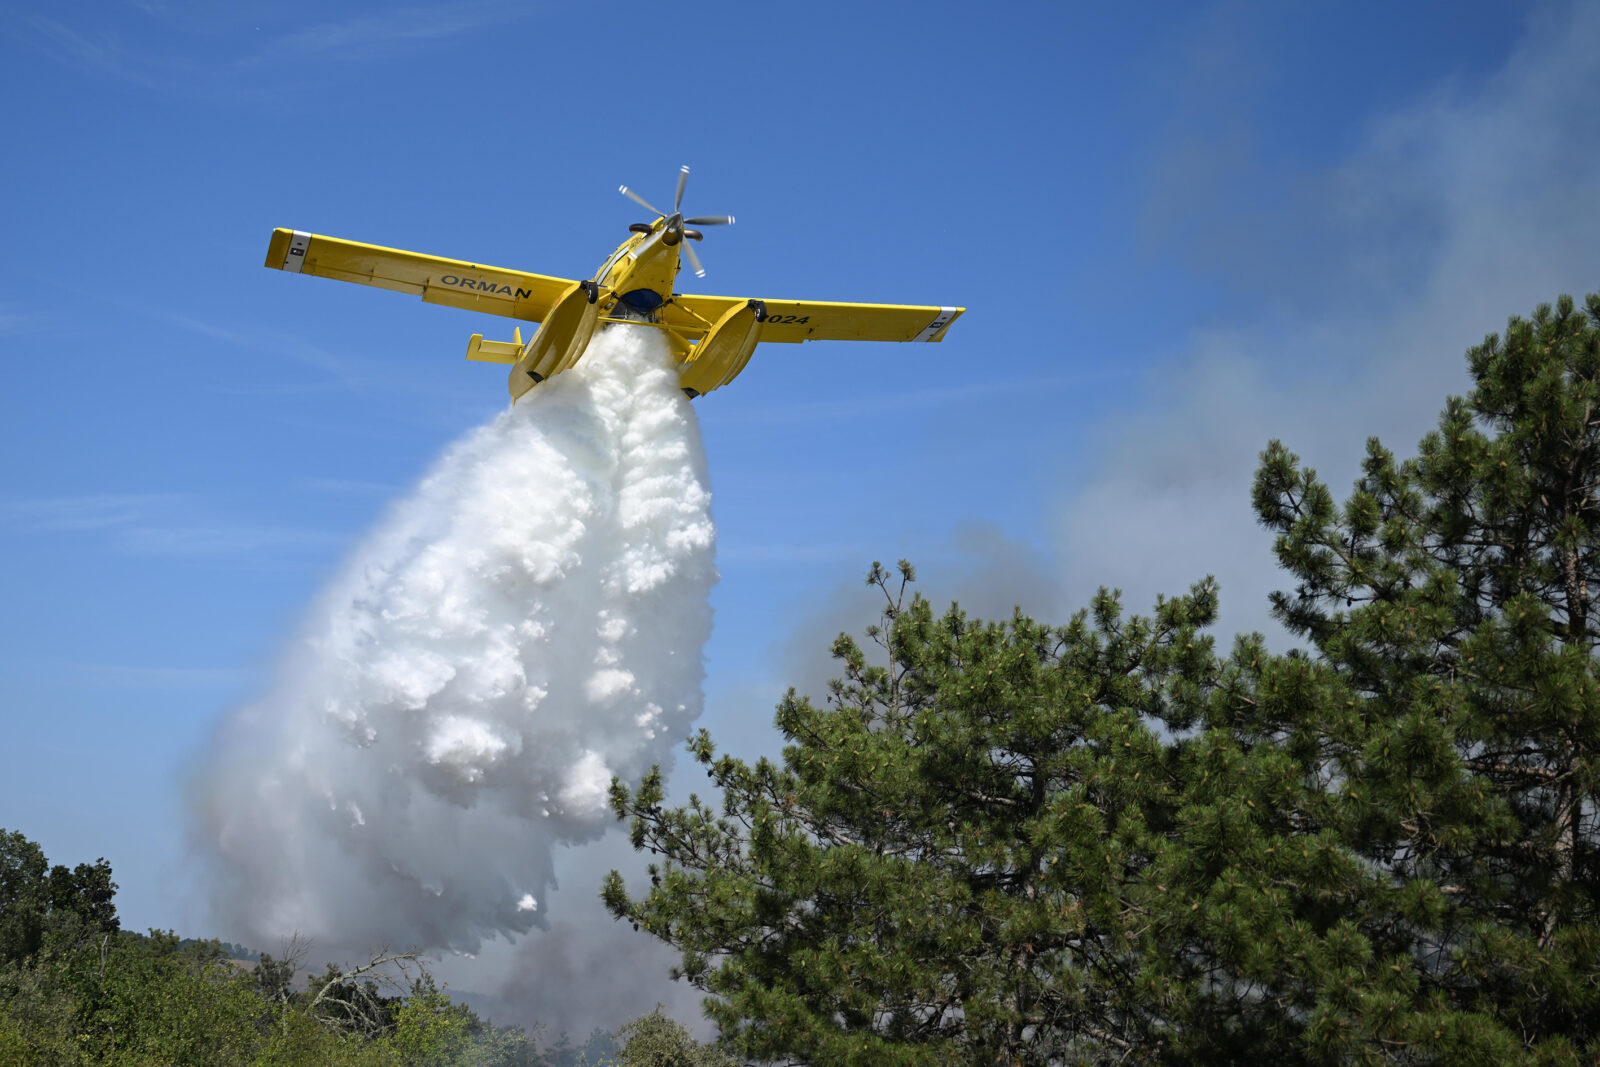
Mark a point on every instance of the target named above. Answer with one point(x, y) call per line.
point(527, 624)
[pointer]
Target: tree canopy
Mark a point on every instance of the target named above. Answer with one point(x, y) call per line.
point(1109, 842)
point(961, 858)
point(75, 990)
point(1450, 595)
point(39, 902)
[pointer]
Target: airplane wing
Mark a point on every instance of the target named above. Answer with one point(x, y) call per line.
point(818, 320)
point(454, 282)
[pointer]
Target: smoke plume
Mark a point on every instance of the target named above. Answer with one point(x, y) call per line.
point(526, 625)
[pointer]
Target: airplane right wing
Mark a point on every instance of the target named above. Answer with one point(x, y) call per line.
point(818, 320)
point(453, 282)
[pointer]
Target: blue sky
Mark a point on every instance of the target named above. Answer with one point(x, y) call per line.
point(1178, 232)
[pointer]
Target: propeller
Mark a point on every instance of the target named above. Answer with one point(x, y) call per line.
point(694, 261)
point(674, 231)
point(641, 201)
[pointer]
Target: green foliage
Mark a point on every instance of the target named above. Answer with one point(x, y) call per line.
point(275, 978)
point(37, 1020)
point(657, 1041)
point(953, 862)
point(1451, 594)
point(147, 1000)
point(430, 1031)
point(597, 1050)
point(144, 1000)
point(228, 949)
point(39, 902)
point(85, 993)
point(1105, 843)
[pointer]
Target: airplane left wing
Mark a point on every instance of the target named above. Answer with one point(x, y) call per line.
point(453, 282)
point(818, 320)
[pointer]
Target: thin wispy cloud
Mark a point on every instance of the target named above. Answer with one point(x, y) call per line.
point(335, 371)
point(384, 35)
point(773, 552)
point(14, 320)
point(340, 371)
point(157, 524)
point(87, 513)
point(97, 51)
point(179, 49)
point(125, 676)
point(345, 487)
point(220, 539)
point(853, 407)
point(80, 674)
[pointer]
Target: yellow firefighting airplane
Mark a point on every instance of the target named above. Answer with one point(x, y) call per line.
point(711, 337)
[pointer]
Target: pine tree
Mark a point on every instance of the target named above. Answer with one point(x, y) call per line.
point(1451, 596)
point(1017, 844)
point(949, 865)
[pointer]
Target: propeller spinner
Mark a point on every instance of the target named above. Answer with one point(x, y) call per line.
point(675, 230)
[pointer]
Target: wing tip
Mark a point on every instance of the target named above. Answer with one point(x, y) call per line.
point(955, 313)
point(278, 248)
point(287, 250)
point(935, 330)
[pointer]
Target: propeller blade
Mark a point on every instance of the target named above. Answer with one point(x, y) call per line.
point(711, 220)
point(694, 261)
point(641, 201)
point(683, 179)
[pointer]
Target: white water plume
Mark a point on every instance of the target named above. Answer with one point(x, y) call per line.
point(526, 625)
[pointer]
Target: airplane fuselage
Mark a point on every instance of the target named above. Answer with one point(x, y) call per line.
point(644, 268)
